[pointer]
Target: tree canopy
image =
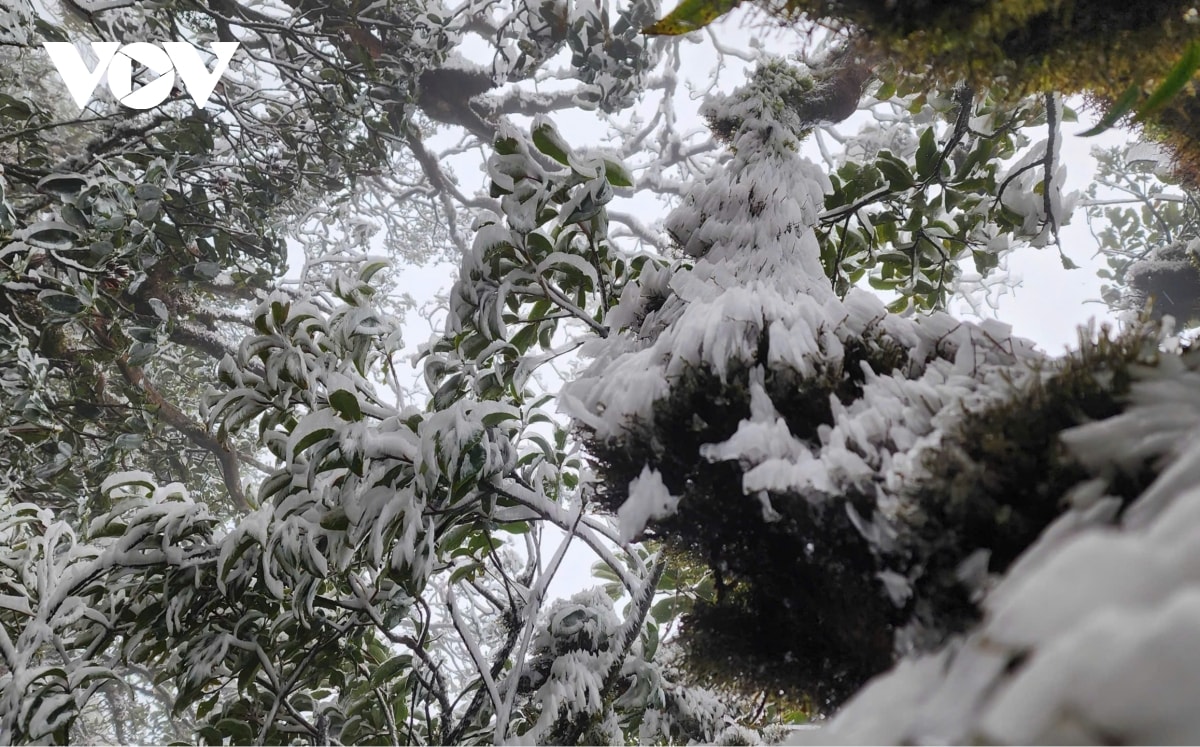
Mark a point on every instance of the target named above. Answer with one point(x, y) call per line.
point(720, 357)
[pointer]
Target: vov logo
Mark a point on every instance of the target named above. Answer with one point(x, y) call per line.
point(117, 60)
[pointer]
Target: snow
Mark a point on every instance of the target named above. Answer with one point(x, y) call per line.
point(1162, 422)
point(757, 274)
point(1124, 675)
point(1077, 640)
point(1090, 636)
point(648, 500)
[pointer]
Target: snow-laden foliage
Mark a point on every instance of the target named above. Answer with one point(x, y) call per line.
point(838, 481)
point(72, 601)
point(1087, 639)
point(807, 446)
point(134, 247)
point(1146, 222)
point(931, 194)
point(1167, 279)
point(576, 653)
point(314, 613)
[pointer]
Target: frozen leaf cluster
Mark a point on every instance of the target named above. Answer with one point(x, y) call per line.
point(1086, 638)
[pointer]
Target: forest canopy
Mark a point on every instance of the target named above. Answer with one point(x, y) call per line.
point(700, 322)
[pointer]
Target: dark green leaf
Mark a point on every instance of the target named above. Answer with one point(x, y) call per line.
point(1175, 81)
point(51, 234)
point(1123, 106)
point(346, 404)
point(547, 140)
point(63, 184)
point(468, 571)
point(61, 303)
point(311, 438)
point(204, 708)
point(927, 154)
point(387, 671)
point(336, 520)
point(147, 192)
point(207, 270)
point(896, 172)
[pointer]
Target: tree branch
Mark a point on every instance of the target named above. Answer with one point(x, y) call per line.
point(226, 457)
point(571, 731)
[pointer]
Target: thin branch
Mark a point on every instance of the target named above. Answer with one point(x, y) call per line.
point(531, 614)
point(476, 655)
point(227, 458)
point(1048, 164)
point(558, 297)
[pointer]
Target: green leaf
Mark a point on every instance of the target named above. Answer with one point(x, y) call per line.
point(448, 392)
point(898, 176)
point(387, 671)
point(927, 154)
point(61, 184)
point(310, 438)
point(369, 269)
point(160, 309)
point(13, 108)
point(507, 146)
point(454, 538)
point(62, 303)
point(547, 140)
point(346, 404)
point(336, 520)
point(470, 570)
point(499, 416)
point(237, 730)
point(1175, 81)
point(1123, 106)
point(652, 640)
point(147, 192)
point(667, 609)
point(617, 174)
point(237, 553)
point(148, 211)
point(602, 571)
point(525, 337)
point(207, 270)
point(206, 707)
point(689, 16)
point(129, 441)
point(51, 234)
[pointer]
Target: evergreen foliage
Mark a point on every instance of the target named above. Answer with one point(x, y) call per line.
point(224, 516)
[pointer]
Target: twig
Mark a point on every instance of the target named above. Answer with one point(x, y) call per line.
point(531, 614)
point(476, 655)
point(1048, 164)
point(227, 458)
